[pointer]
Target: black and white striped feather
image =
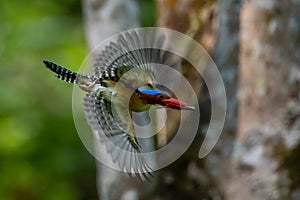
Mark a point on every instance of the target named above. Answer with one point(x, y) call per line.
point(124, 152)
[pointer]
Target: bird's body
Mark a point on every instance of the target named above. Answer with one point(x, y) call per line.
point(123, 82)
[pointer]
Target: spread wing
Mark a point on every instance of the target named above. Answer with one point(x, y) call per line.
point(132, 50)
point(118, 143)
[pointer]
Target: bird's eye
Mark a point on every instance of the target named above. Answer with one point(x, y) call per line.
point(160, 96)
point(137, 92)
point(149, 85)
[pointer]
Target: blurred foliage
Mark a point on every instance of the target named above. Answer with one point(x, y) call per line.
point(41, 154)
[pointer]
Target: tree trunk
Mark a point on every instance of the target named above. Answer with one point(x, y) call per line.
point(269, 74)
point(187, 177)
point(226, 56)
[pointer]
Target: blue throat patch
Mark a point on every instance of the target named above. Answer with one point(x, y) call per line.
point(150, 92)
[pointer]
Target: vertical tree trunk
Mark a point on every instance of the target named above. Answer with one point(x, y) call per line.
point(268, 64)
point(226, 56)
point(104, 18)
point(187, 177)
point(192, 17)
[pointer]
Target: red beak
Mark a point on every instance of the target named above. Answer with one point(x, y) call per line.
point(176, 104)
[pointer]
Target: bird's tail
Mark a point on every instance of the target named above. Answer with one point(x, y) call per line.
point(68, 75)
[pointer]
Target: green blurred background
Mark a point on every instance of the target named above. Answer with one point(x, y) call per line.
point(41, 154)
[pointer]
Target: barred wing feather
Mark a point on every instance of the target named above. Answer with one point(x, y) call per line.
point(124, 152)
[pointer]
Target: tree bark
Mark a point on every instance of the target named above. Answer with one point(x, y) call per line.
point(187, 177)
point(226, 56)
point(268, 74)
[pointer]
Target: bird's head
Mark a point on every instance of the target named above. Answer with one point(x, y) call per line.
point(159, 97)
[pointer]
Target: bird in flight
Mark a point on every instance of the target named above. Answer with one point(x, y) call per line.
point(123, 81)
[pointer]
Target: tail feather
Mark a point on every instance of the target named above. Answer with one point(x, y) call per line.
point(67, 75)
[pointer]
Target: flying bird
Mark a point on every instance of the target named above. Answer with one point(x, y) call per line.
point(123, 82)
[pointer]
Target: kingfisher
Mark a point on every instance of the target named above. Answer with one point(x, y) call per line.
point(123, 82)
